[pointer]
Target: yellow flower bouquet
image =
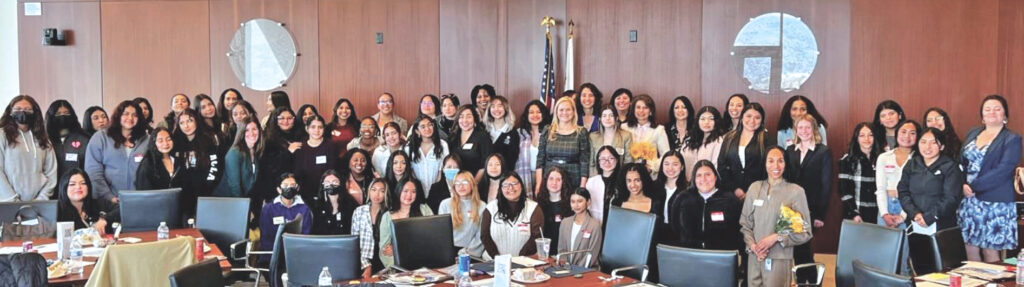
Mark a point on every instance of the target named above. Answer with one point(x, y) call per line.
point(790, 221)
point(643, 151)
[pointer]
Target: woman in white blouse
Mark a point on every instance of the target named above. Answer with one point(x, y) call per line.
point(640, 122)
point(393, 141)
point(888, 172)
point(426, 150)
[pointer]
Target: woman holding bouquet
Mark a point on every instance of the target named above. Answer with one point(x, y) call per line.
point(648, 135)
point(770, 249)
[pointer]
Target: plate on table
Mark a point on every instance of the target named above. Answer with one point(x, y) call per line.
point(57, 270)
point(538, 277)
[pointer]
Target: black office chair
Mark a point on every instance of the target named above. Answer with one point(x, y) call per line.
point(22, 269)
point(424, 241)
point(202, 274)
point(276, 254)
point(306, 256)
point(697, 267)
point(866, 275)
point(47, 209)
point(143, 210)
point(872, 244)
point(222, 220)
point(938, 252)
point(627, 243)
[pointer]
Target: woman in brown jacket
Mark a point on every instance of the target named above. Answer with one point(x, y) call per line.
point(580, 231)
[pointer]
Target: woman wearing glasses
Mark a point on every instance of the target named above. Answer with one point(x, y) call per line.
point(512, 222)
point(386, 113)
point(466, 209)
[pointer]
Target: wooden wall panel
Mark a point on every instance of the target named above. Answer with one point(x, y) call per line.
point(526, 48)
point(665, 60)
point(472, 45)
point(69, 72)
point(154, 50)
point(299, 17)
point(406, 64)
point(1010, 77)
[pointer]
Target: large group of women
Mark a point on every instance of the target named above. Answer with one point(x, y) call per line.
point(714, 180)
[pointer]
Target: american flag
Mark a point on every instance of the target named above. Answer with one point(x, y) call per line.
point(547, 81)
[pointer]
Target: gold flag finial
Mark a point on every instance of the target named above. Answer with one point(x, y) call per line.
point(547, 22)
point(572, 27)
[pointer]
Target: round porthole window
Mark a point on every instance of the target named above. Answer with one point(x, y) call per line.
point(775, 52)
point(262, 54)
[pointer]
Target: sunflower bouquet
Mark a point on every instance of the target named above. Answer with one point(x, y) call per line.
point(790, 221)
point(643, 151)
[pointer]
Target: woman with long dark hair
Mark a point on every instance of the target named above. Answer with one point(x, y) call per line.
point(207, 110)
point(398, 169)
point(66, 135)
point(29, 166)
point(241, 164)
point(386, 113)
point(197, 147)
point(512, 223)
point(394, 140)
point(705, 141)
point(587, 104)
point(603, 185)
point(534, 118)
point(446, 120)
point(622, 99)
point(581, 231)
point(856, 181)
point(366, 224)
point(703, 216)
point(426, 150)
point(313, 159)
point(228, 99)
point(94, 119)
point(647, 133)
point(276, 100)
point(888, 114)
point(344, 126)
point(75, 203)
point(114, 154)
point(938, 118)
point(408, 203)
point(161, 167)
point(609, 134)
point(795, 109)
point(739, 162)
point(306, 112)
point(357, 173)
point(240, 112)
point(671, 181)
point(470, 142)
point(889, 172)
point(332, 210)
point(147, 111)
point(553, 199)
point(733, 107)
point(680, 122)
point(179, 103)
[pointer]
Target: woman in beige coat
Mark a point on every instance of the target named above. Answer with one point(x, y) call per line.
point(580, 231)
point(611, 135)
point(770, 254)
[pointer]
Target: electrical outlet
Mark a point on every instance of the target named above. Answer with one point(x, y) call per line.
point(632, 36)
point(380, 38)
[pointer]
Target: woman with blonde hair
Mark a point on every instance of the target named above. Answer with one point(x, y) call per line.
point(466, 209)
point(565, 144)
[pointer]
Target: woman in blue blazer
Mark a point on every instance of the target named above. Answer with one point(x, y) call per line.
point(987, 215)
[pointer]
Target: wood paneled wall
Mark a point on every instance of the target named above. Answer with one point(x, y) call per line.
point(945, 53)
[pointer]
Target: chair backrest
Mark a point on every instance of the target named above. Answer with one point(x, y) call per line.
point(47, 209)
point(425, 241)
point(306, 256)
point(22, 269)
point(872, 244)
point(940, 251)
point(697, 267)
point(202, 274)
point(142, 264)
point(222, 220)
point(627, 240)
point(143, 210)
point(866, 275)
point(277, 256)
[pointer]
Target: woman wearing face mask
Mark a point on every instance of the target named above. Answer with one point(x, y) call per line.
point(857, 171)
point(426, 151)
point(938, 118)
point(94, 119)
point(446, 121)
point(445, 185)
point(587, 105)
point(889, 172)
point(810, 167)
point(680, 122)
point(368, 136)
point(704, 142)
point(179, 102)
point(197, 148)
point(705, 217)
point(286, 206)
point(366, 224)
point(742, 150)
point(471, 143)
point(76, 205)
point(987, 214)
point(344, 126)
point(511, 223)
point(386, 113)
point(466, 209)
point(733, 107)
point(770, 254)
point(147, 112)
point(332, 210)
point(408, 203)
point(29, 170)
point(393, 142)
point(241, 164)
point(888, 114)
point(499, 122)
point(795, 109)
point(931, 186)
point(114, 154)
point(609, 134)
point(621, 100)
point(66, 135)
point(581, 231)
point(161, 167)
point(313, 159)
point(535, 117)
point(481, 98)
point(228, 99)
point(357, 174)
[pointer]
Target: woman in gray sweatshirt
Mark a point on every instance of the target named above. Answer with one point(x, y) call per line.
point(114, 154)
point(27, 161)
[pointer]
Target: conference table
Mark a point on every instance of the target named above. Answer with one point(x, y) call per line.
point(146, 236)
point(589, 279)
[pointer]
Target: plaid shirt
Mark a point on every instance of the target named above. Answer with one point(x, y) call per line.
point(363, 227)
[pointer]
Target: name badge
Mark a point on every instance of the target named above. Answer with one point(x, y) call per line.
point(717, 216)
point(335, 133)
point(278, 220)
point(890, 168)
point(71, 157)
point(768, 264)
point(523, 227)
point(338, 216)
point(586, 234)
point(758, 202)
point(321, 159)
point(467, 146)
point(138, 158)
point(558, 218)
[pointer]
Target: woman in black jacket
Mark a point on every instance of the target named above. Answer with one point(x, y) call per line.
point(332, 211)
point(810, 167)
point(284, 135)
point(932, 184)
point(469, 141)
point(739, 172)
point(160, 168)
point(69, 141)
point(704, 216)
point(197, 149)
point(76, 205)
point(856, 181)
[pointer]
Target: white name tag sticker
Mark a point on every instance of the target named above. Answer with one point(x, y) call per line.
point(71, 157)
point(717, 216)
point(278, 220)
point(467, 146)
point(138, 158)
point(586, 234)
point(523, 227)
point(758, 202)
point(321, 159)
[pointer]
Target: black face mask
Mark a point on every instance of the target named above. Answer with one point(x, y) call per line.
point(25, 118)
point(290, 192)
point(331, 189)
point(63, 121)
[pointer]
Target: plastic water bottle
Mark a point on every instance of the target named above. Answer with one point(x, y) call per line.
point(464, 280)
point(162, 232)
point(76, 257)
point(325, 278)
point(463, 261)
point(1020, 268)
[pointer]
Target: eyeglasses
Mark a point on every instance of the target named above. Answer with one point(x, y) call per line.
point(427, 104)
point(935, 119)
point(285, 118)
point(461, 182)
point(606, 159)
point(385, 102)
point(509, 184)
point(709, 118)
